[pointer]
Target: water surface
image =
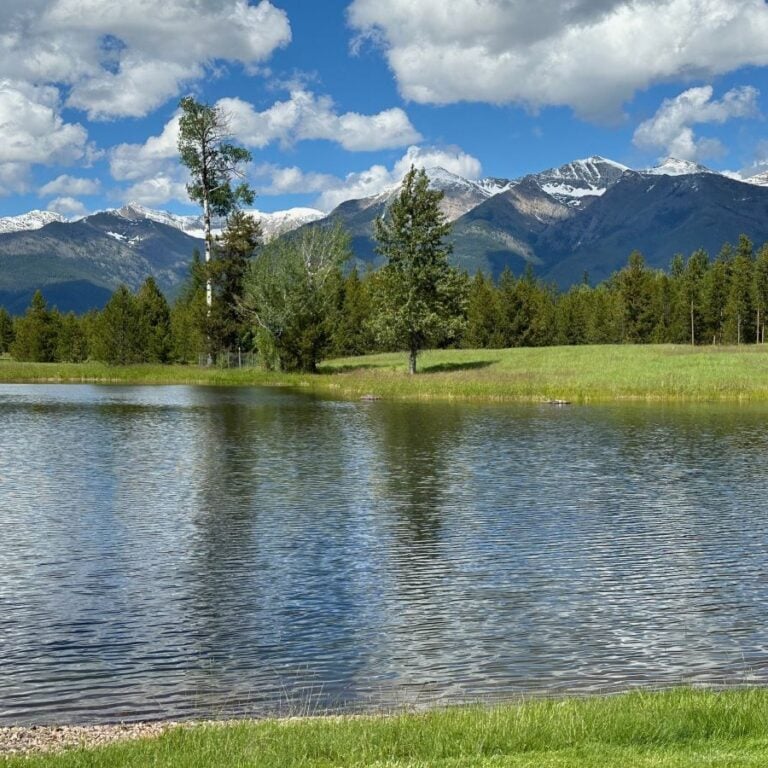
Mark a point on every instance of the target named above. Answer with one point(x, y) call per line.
point(196, 552)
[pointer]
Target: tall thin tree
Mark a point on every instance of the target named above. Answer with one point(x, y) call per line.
point(214, 164)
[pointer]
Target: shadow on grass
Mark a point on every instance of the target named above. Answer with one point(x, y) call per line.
point(443, 367)
point(347, 368)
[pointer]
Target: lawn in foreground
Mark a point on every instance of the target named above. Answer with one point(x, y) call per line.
point(675, 728)
point(578, 374)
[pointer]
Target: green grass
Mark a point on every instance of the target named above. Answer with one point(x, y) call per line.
point(579, 374)
point(677, 728)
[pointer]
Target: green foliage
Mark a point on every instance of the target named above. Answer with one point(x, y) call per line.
point(212, 160)
point(352, 333)
point(291, 293)
point(72, 340)
point(226, 327)
point(634, 282)
point(155, 319)
point(36, 334)
point(483, 315)
point(6, 331)
point(422, 299)
point(119, 332)
point(740, 301)
point(189, 316)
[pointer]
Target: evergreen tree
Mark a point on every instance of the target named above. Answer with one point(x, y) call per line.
point(740, 302)
point(233, 252)
point(189, 316)
point(214, 163)
point(693, 294)
point(72, 341)
point(761, 291)
point(352, 328)
point(421, 301)
point(36, 333)
point(119, 338)
point(483, 319)
point(634, 282)
point(155, 320)
point(6, 331)
point(716, 289)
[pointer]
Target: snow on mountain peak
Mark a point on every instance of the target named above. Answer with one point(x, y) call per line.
point(29, 221)
point(673, 166)
point(759, 180)
point(580, 180)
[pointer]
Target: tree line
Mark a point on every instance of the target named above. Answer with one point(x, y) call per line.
point(292, 301)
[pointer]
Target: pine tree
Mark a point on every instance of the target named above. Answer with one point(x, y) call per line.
point(740, 301)
point(155, 320)
point(421, 299)
point(761, 291)
point(635, 288)
point(36, 333)
point(6, 331)
point(119, 330)
point(483, 326)
point(233, 251)
point(716, 289)
point(352, 327)
point(72, 342)
point(692, 293)
point(214, 163)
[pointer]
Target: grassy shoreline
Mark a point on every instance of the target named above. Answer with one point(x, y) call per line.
point(578, 374)
point(682, 727)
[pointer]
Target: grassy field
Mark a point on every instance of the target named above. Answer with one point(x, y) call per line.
point(676, 728)
point(578, 374)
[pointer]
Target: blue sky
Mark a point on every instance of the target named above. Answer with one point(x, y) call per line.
point(335, 99)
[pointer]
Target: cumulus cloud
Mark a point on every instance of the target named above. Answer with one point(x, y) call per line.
point(68, 206)
point(120, 59)
point(70, 186)
point(157, 191)
point(670, 129)
point(333, 190)
point(306, 116)
point(591, 55)
point(35, 133)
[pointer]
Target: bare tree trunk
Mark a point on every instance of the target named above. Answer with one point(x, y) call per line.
point(693, 329)
point(738, 329)
point(412, 362)
point(208, 255)
point(757, 327)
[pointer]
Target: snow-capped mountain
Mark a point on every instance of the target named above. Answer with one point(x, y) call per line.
point(28, 222)
point(673, 166)
point(272, 224)
point(581, 181)
point(760, 179)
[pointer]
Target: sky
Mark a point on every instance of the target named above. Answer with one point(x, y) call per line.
point(336, 99)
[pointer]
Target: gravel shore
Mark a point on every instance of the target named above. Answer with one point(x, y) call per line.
point(37, 739)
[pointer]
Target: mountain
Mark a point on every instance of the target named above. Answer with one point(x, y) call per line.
point(580, 182)
point(584, 216)
point(28, 221)
point(672, 166)
point(78, 264)
point(272, 224)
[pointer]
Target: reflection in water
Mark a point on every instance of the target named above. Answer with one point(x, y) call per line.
point(177, 552)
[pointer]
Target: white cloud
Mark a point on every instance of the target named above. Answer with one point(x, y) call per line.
point(67, 206)
point(306, 116)
point(670, 129)
point(70, 186)
point(121, 58)
point(372, 181)
point(33, 132)
point(156, 191)
point(130, 162)
point(592, 55)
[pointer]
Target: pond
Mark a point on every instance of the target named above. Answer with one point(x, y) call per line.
point(190, 552)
